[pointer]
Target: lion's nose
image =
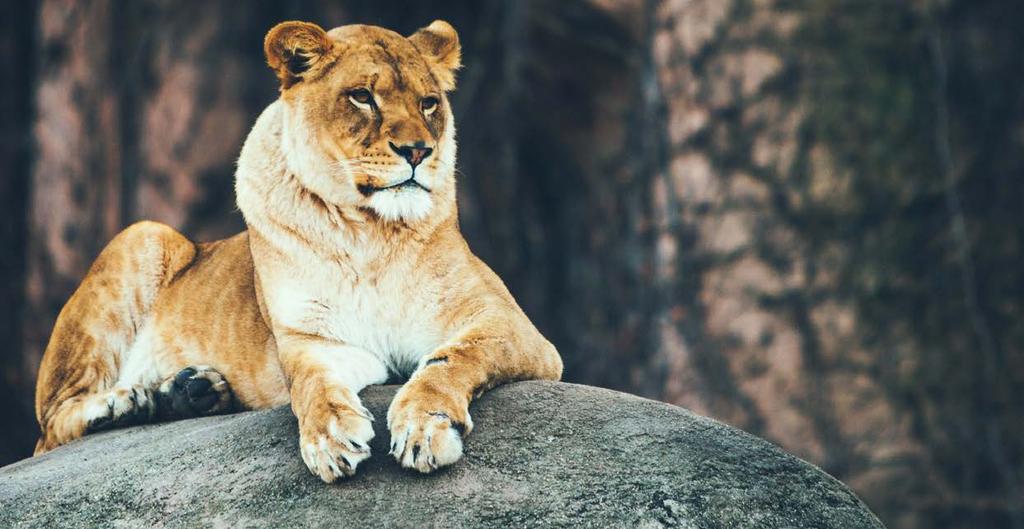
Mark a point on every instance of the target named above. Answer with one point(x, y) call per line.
point(413, 153)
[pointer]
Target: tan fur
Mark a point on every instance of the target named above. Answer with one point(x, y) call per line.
point(352, 267)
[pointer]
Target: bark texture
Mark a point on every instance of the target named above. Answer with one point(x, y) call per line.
point(799, 217)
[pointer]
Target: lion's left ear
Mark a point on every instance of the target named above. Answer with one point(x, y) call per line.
point(295, 50)
point(439, 44)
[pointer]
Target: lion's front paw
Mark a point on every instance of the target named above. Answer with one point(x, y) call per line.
point(425, 437)
point(334, 438)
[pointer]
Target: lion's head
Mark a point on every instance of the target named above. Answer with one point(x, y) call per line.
point(367, 122)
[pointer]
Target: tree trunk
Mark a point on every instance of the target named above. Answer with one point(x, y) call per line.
point(16, 69)
point(822, 253)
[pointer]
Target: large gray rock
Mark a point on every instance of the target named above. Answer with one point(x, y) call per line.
point(543, 455)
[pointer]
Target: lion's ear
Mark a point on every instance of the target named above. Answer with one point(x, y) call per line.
point(439, 44)
point(295, 49)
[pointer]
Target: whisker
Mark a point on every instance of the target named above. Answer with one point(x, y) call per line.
point(347, 164)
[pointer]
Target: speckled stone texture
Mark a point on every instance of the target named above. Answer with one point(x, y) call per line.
point(543, 454)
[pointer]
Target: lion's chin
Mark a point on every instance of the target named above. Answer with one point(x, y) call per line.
point(408, 204)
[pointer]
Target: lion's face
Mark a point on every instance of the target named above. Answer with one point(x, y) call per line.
point(367, 119)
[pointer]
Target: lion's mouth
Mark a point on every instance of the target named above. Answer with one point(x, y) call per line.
point(367, 189)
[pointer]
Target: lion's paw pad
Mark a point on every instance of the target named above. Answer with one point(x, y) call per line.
point(198, 390)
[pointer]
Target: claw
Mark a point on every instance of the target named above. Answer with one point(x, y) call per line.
point(357, 446)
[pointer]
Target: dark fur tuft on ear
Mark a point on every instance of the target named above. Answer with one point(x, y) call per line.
point(439, 45)
point(295, 48)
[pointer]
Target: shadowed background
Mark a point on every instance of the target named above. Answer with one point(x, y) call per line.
point(803, 218)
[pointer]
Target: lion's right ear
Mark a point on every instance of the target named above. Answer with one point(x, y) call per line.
point(439, 44)
point(295, 50)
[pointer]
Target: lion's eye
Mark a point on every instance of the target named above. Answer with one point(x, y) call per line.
point(361, 96)
point(429, 105)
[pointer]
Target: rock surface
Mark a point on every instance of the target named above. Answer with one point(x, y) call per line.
point(543, 454)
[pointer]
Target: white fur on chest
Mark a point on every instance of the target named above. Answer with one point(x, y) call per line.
point(386, 315)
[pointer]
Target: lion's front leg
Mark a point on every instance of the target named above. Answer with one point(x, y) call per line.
point(427, 419)
point(430, 414)
point(325, 379)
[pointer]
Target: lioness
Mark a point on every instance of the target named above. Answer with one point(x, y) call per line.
point(352, 268)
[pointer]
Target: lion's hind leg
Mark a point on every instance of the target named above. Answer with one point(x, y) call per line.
point(192, 392)
point(94, 412)
point(78, 390)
